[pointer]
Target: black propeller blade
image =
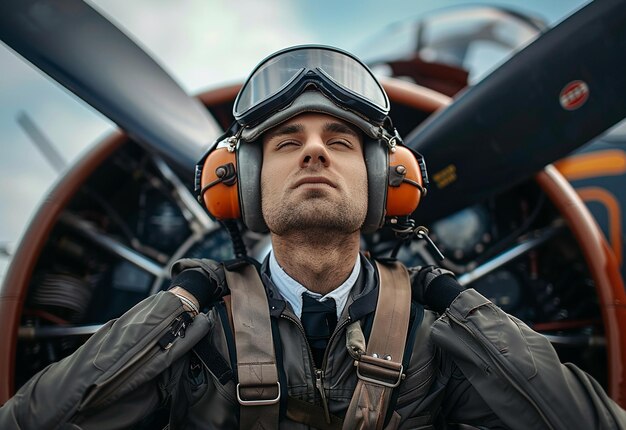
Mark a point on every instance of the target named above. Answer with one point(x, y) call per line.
point(80, 49)
point(562, 90)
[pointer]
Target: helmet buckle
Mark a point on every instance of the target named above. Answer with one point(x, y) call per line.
point(232, 143)
point(392, 141)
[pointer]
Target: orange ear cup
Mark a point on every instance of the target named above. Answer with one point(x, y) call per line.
point(219, 185)
point(403, 195)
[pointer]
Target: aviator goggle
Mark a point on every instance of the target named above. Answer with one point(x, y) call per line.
point(278, 79)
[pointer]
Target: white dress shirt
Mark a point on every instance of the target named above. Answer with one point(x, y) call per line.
point(292, 290)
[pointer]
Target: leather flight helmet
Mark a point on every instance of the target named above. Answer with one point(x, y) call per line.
point(296, 80)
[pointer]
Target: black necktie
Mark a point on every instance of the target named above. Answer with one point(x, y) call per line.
point(319, 320)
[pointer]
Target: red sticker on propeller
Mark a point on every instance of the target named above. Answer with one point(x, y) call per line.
point(574, 95)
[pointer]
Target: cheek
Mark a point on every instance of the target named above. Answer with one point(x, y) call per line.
point(271, 178)
point(356, 181)
point(266, 183)
point(266, 167)
point(359, 175)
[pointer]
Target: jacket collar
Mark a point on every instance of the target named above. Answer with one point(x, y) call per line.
point(361, 301)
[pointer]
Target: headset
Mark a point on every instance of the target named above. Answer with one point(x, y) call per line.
point(228, 180)
point(310, 78)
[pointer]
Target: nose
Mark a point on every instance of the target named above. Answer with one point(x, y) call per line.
point(314, 153)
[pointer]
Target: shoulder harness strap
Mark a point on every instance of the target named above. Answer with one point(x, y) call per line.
point(258, 389)
point(379, 369)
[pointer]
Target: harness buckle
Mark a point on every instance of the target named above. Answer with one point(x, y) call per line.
point(257, 402)
point(381, 371)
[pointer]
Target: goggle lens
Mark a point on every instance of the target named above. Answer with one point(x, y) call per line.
point(281, 71)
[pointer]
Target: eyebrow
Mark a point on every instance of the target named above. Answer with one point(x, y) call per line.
point(338, 127)
point(329, 127)
point(285, 130)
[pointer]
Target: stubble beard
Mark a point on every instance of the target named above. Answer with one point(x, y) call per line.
point(315, 215)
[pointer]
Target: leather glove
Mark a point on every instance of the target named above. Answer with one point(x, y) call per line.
point(204, 279)
point(435, 287)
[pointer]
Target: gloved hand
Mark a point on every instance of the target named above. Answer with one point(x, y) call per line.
point(203, 279)
point(435, 287)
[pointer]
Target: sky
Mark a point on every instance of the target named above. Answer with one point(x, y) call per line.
point(202, 44)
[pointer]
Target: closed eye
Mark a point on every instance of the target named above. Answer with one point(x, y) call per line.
point(287, 143)
point(341, 142)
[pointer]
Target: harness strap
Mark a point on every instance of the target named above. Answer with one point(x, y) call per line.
point(229, 310)
point(380, 369)
point(311, 415)
point(258, 389)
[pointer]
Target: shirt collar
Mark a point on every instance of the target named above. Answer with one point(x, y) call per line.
point(292, 290)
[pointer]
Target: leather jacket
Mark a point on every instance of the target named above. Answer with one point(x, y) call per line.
point(472, 367)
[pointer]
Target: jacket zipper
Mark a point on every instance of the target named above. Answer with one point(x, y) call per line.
point(319, 373)
point(322, 371)
point(176, 329)
point(319, 384)
point(504, 373)
point(332, 337)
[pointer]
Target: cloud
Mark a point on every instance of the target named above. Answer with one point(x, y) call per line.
point(202, 43)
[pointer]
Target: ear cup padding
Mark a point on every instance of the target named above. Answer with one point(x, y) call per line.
point(376, 162)
point(220, 194)
point(403, 196)
point(250, 161)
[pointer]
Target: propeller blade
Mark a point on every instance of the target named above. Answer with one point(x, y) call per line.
point(555, 95)
point(82, 50)
point(42, 142)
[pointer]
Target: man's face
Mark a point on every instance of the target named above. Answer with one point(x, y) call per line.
point(313, 176)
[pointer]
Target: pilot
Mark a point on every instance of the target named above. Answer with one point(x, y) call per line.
point(320, 335)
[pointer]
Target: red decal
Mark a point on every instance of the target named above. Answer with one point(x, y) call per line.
point(574, 95)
